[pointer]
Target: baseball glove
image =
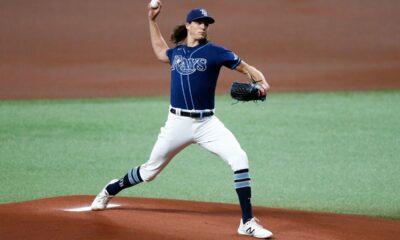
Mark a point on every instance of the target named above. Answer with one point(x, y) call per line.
point(246, 92)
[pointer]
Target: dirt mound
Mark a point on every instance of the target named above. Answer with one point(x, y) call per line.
point(141, 218)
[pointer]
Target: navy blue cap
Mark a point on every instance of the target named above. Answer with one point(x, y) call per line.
point(197, 14)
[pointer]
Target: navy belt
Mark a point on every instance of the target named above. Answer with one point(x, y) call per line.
point(192, 114)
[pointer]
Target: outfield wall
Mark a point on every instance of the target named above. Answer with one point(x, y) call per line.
point(99, 48)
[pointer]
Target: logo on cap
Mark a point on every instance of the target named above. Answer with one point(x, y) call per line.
point(199, 13)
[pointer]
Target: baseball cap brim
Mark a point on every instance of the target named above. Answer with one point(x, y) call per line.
point(209, 20)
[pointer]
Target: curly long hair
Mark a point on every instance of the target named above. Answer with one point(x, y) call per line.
point(180, 34)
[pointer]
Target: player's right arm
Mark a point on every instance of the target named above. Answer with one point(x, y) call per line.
point(158, 43)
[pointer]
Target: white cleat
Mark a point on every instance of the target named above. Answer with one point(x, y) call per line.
point(252, 228)
point(102, 199)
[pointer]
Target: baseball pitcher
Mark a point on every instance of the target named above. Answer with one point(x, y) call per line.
point(195, 65)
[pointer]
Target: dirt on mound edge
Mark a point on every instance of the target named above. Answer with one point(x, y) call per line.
point(142, 218)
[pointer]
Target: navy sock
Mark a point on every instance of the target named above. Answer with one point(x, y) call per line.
point(243, 190)
point(130, 179)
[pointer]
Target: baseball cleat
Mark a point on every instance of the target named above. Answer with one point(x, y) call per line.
point(102, 199)
point(252, 228)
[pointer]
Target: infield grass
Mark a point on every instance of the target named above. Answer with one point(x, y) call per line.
point(335, 152)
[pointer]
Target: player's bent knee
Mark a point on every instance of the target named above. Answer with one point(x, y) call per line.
point(239, 161)
point(148, 176)
point(149, 173)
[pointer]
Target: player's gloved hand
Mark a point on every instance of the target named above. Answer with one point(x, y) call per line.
point(248, 91)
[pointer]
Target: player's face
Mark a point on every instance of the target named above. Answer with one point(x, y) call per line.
point(197, 29)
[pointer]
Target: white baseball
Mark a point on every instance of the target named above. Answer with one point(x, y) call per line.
point(154, 4)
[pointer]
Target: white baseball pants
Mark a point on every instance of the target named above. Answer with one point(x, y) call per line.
point(180, 131)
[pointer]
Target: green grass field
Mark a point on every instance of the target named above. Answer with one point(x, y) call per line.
point(335, 152)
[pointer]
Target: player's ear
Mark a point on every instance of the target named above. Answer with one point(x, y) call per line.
point(187, 25)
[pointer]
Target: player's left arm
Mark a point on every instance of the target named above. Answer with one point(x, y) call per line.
point(255, 75)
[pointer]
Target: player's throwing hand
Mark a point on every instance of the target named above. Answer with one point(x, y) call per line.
point(154, 8)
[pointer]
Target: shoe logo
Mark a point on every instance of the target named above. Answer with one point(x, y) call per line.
point(250, 230)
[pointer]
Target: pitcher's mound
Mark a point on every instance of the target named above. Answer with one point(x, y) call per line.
point(140, 218)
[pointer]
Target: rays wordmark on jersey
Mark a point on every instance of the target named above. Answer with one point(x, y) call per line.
point(187, 66)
